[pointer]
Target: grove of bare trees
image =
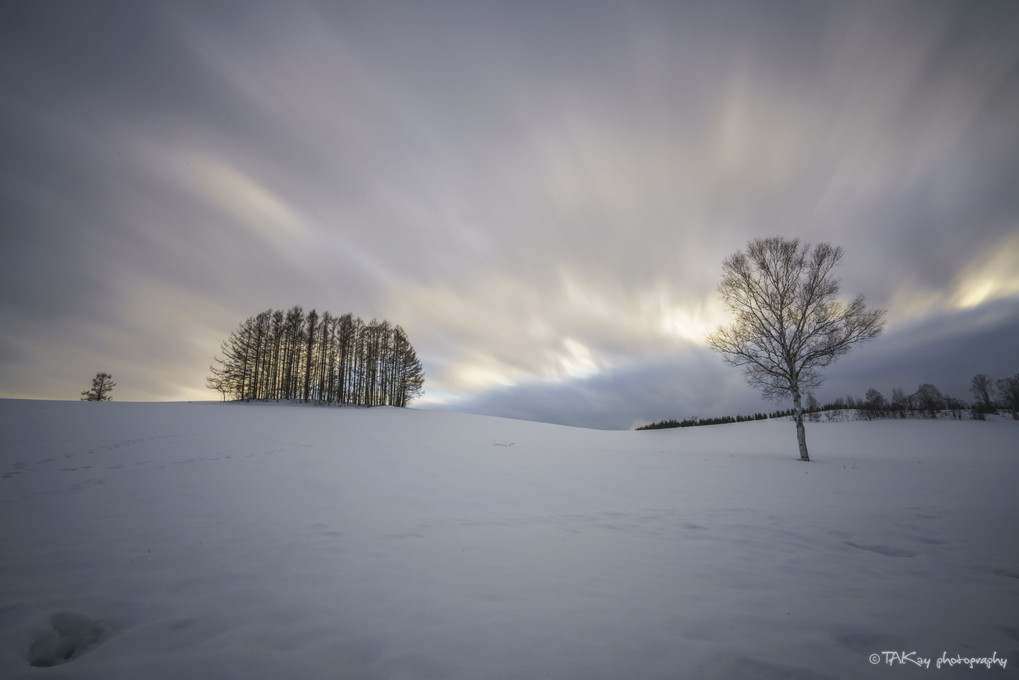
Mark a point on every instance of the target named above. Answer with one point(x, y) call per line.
point(292, 356)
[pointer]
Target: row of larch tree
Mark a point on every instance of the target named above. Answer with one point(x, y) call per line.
point(292, 356)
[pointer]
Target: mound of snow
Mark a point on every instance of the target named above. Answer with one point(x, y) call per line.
point(257, 541)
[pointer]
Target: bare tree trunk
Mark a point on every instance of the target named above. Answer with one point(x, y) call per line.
point(801, 431)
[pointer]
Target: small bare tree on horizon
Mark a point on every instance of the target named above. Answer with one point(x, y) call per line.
point(788, 323)
point(102, 387)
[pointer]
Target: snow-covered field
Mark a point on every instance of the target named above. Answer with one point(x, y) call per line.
point(257, 541)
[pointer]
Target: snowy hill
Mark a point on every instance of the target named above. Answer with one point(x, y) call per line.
point(257, 541)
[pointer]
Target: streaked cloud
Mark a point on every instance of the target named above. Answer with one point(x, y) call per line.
point(245, 200)
point(540, 194)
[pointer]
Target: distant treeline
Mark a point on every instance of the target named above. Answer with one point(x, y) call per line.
point(927, 401)
point(722, 420)
point(989, 396)
point(328, 359)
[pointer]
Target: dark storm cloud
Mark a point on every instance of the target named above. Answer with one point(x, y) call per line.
point(693, 384)
point(946, 350)
point(541, 193)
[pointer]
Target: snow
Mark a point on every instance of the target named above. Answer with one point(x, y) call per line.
point(263, 541)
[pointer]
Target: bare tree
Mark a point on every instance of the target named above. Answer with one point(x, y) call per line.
point(902, 404)
point(981, 388)
point(102, 386)
point(1008, 389)
point(956, 406)
point(410, 375)
point(929, 400)
point(875, 403)
point(311, 326)
point(215, 381)
point(813, 408)
point(788, 323)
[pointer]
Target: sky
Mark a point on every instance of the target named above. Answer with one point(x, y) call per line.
point(540, 193)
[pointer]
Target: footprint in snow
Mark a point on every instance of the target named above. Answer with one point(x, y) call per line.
point(883, 550)
point(65, 636)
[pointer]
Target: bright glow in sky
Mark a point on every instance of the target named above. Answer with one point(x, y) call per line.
point(541, 194)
